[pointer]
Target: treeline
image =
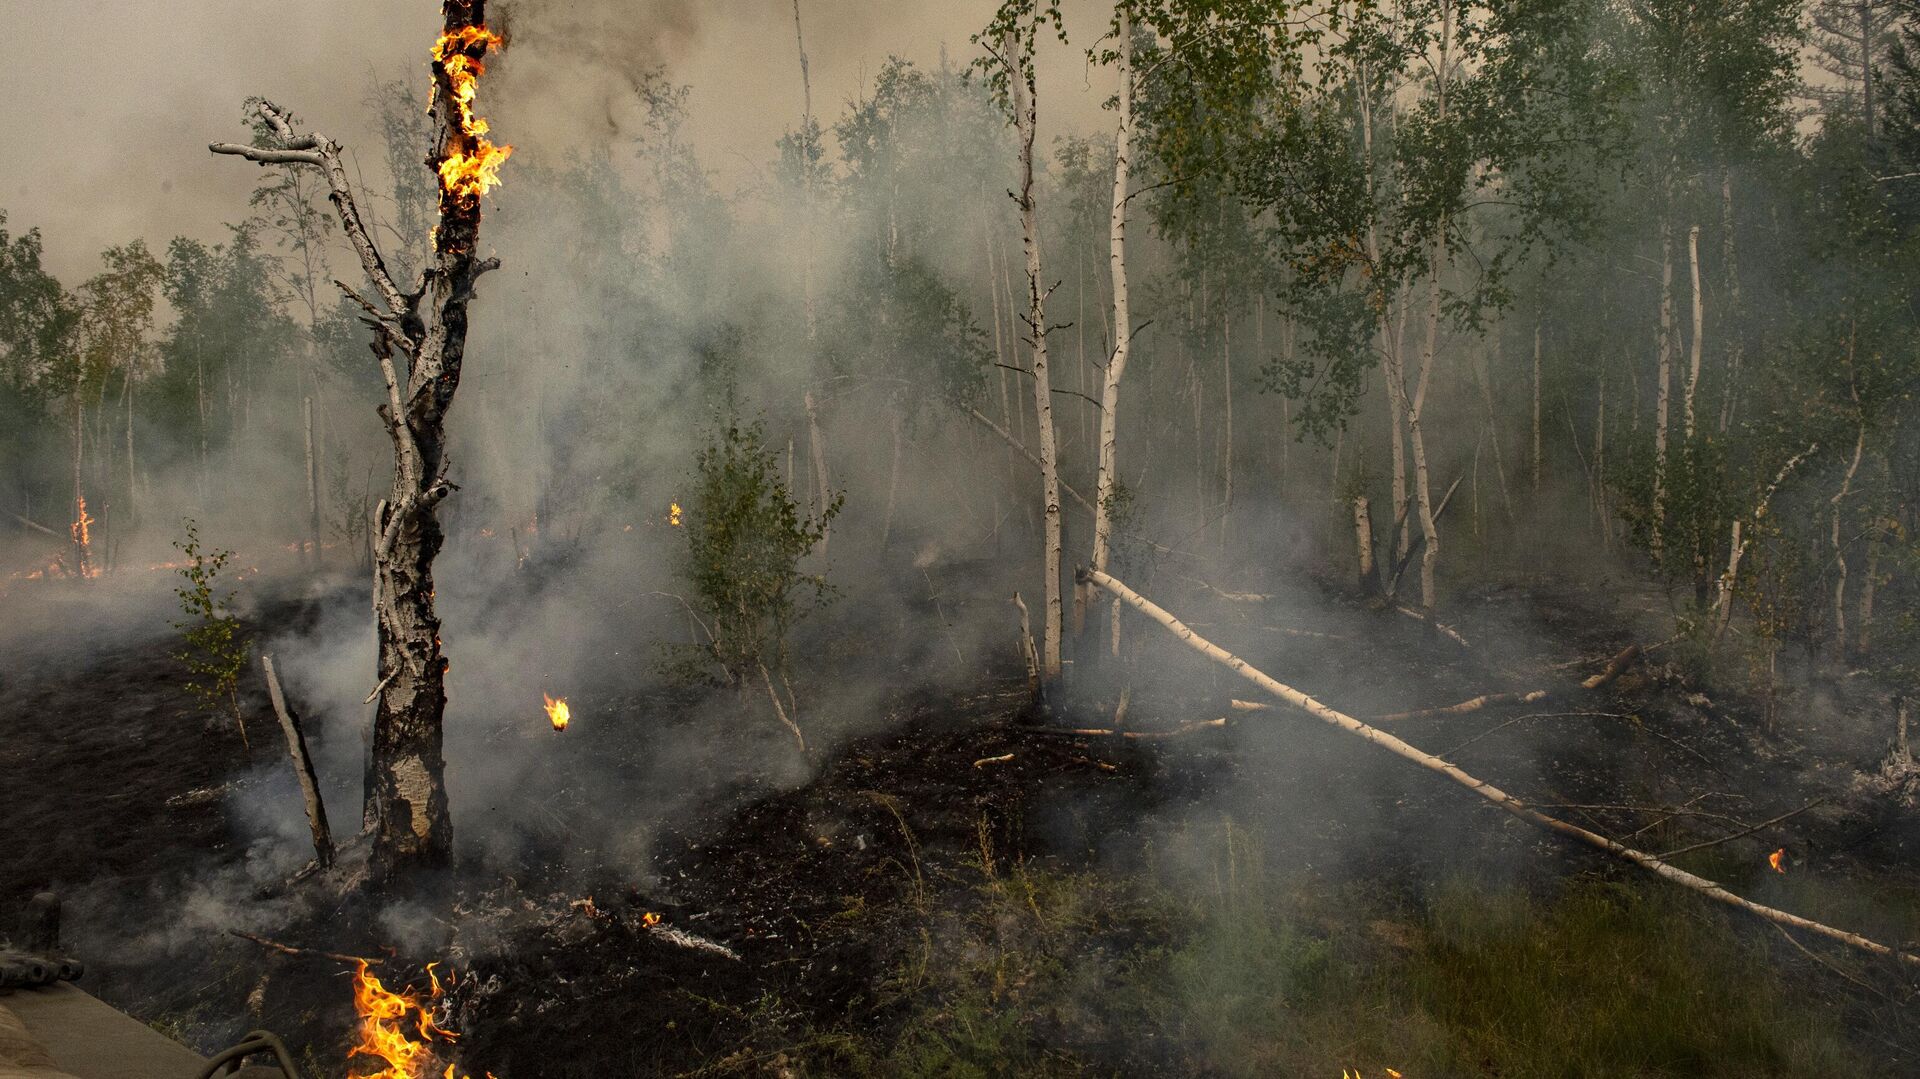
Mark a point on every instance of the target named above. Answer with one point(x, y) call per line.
point(1616, 268)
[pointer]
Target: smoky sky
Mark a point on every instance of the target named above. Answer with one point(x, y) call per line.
point(109, 104)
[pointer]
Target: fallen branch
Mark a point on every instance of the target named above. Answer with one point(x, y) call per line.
point(1615, 667)
point(1001, 759)
point(1472, 705)
point(1743, 833)
point(289, 949)
point(1142, 736)
point(1441, 626)
point(1485, 790)
point(35, 525)
point(684, 939)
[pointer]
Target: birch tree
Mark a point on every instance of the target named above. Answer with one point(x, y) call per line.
point(419, 342)
point(1010, 41)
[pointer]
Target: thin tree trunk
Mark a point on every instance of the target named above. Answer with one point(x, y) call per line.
point(1363, 542)
point(1699, 320)
point(1538, 457)
point(1109, 459)
point(816, 445)
point(1416, 437)
point(1025, 115)
point(1836, 507)
point(1733, 313)
point(1666, 382)
point(313, 482)
point(1867, 588)
point(80, 528)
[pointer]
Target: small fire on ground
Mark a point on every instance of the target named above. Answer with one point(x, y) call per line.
point(1778, 860)
point(558, 713)
point(389, 1024)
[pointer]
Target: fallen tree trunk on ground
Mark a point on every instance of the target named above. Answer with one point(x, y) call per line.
point(1485, 790)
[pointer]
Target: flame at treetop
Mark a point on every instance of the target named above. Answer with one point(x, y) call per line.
point(389, 1022)
point(557, 712)
point(1778, 860)
point(472, 164)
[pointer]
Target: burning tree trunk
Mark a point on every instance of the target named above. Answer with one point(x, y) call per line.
point(426, 329)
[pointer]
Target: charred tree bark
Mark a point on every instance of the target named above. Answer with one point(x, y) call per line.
point(420, 345)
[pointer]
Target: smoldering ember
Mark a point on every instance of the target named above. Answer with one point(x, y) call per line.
point(1002, 537)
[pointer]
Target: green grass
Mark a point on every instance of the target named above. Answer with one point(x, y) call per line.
point(1080, 974)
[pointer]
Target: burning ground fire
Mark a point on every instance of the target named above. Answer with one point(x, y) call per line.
point(558, 713)
point(472, 168)
point(1778, 860)
point(388, 1023)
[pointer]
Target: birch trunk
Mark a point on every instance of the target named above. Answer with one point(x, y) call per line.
point(1660, 406)
point(1108, 479)
point(1025, 116)
point(1537, 455)
point(427, 330)
point(1699, 319)
point(1416, 437)
point(313, 481)
point(1727, 253)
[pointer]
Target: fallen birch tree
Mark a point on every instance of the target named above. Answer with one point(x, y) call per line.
point(1488, 791)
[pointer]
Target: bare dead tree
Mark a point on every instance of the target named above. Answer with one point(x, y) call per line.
point(420, 344)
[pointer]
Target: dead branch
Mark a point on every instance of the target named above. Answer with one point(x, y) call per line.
point(289, 949)
point(1615, 667)
point(302, 765)
point(1028, 454)
point(323, 153)
point(1472, 705)
point(791, 723)
point(1496, 796)
point(1001, 759)
point(1743, 833)
point(1188, 727)
point(1027, 649)
point(1441, 626)
point(36, 526)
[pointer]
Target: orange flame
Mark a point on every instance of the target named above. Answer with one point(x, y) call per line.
point(472, 165)
point(81, 529)
point(557, 712)
point(649, 919)
point(1778, 860)
point(389, 1022)
point(673, 514)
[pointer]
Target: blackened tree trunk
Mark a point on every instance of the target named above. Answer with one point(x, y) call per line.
point(420, 344)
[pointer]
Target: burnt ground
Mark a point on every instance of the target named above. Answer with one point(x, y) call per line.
point(839, 902)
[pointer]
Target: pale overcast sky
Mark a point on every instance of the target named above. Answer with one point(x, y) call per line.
point(109, 104)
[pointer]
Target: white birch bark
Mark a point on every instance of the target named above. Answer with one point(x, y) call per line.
point(1025, 117)
point(1108, 479)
